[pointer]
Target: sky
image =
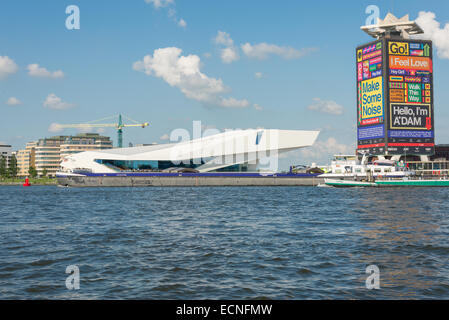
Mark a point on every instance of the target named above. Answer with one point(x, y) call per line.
point(229, 64)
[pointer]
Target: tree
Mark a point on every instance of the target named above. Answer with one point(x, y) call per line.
point(32, 172)
point(3, 172)
point(13, 167)
point(44, 172)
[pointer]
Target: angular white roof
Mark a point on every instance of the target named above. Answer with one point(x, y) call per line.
point(253, 143)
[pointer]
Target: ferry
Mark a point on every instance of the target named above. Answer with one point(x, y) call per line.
point(349, 167)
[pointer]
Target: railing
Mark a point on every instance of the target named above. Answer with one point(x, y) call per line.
point(429, 168)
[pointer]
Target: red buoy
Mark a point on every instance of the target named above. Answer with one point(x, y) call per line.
point(27, 183)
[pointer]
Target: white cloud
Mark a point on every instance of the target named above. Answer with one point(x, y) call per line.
point(258, 75)
point(229, 55)
point(262, 50)
point(160, 3)
point(326, 106)
point(55, 127)
point(171, 12)
point(257, 107)
point(164, 137)
point(432, 31)
point(323, 150)
point(7, 67)
point(35, 71)
point(13, 101)
point(234, 103)
point(54, 102)
point(182, 23)
point(223, 38)
point(183, 72)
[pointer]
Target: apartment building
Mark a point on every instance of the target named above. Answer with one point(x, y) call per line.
point(45, 155)
point(26, 158)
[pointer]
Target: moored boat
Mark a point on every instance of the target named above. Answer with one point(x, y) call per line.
point(413, 183)
point(339, 183)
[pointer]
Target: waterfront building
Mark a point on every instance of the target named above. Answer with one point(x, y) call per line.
point(251, 150)
point(26, 159)
point(46, 154)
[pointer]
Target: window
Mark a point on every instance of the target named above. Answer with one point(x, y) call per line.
point(259, 136)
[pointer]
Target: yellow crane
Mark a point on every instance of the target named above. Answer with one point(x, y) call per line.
point(119, 125)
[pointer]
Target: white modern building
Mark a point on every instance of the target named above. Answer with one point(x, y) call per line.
point(248, 150)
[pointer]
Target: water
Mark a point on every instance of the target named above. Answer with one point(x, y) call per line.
point(223, 242)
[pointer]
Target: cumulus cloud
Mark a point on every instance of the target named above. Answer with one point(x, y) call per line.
point(183, 72)
point(234, 103)
point(258, 75)
point(262, 51)
point(257, 107)
point(432, 31)
point(230, 52)
point(55, 127)
point(323, 150)
point(7, 67)
point(35, 70)
point(13, 101)
point(171, 12)
point(54, 102)
point(182, 23)
point(326, 106)
point(160, 3)
point(229, 55)
point(223, 38)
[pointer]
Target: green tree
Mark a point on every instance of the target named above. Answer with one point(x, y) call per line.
point(32, 172)
point(44, 172)
point(13, 167)
point(3, 171)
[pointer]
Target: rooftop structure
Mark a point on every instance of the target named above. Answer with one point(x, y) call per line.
point(392, 26)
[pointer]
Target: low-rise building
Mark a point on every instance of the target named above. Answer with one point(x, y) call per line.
point(26, 159)
point(45, 155)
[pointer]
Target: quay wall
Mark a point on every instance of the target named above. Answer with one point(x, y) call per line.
point(186, 181)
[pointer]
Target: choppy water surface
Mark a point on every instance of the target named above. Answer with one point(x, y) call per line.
point(223, 243)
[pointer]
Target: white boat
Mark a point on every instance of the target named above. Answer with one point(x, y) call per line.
point(339, 183)
point(349, 167)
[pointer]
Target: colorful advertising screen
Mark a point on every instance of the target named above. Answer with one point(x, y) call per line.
point(371, 97)
point(395, 97)
point(410, 117)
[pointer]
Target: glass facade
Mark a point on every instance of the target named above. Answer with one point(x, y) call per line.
point(159, 165)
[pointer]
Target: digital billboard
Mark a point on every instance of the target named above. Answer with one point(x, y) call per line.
point(370, 97)
point(395, 97)
point(410, 117)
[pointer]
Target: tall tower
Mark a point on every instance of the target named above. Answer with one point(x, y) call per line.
point(395, 90)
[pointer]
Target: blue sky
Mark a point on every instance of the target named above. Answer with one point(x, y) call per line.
point(312, 88)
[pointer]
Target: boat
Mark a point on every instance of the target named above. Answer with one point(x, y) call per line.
point(413, 183)
point(349, 167)
point(340, 183)
point(405, 182)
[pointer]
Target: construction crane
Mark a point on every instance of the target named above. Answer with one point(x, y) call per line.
point(120, 125)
